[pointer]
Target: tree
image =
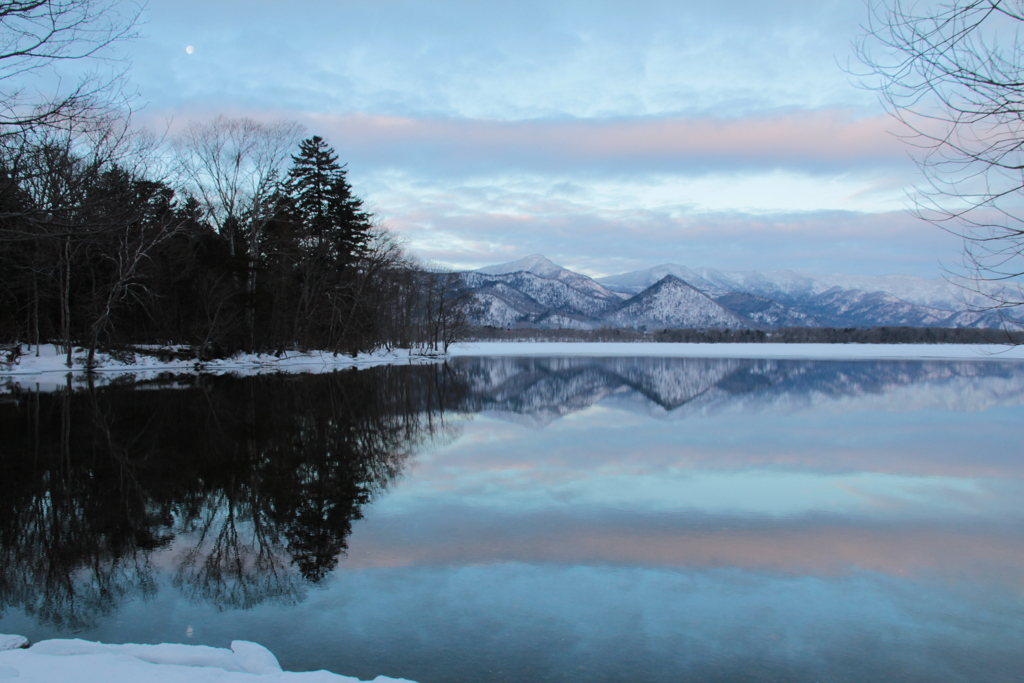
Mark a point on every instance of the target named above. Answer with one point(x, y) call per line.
point(331, 216)
point(953, 76)
point(332, 232)
point(83, 227)
point(234, 167)
point(37, 37)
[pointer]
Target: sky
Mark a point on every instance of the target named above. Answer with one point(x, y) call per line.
point(607, 136)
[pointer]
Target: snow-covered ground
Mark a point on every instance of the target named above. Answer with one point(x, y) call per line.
point(802, 351)
point(31, 367)
point(48, 371)
point(82, 661)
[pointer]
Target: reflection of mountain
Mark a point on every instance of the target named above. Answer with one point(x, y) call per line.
point(256, 482)
point(543, 389)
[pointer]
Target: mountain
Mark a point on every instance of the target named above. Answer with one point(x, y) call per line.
point(784, 298)
point(671, 303)
point(765, 312)
point(839, 307)
point(788, 287)
point(535, 292)
point(542, 267)
point(537, 264)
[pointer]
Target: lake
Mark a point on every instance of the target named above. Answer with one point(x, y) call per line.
point(534, 519)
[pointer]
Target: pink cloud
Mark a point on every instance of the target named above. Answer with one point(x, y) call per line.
point(809, 546)
point(831, 138)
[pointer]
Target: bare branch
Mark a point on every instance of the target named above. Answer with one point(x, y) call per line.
point(953, 77)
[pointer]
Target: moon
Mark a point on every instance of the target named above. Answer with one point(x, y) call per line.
point(189, 49)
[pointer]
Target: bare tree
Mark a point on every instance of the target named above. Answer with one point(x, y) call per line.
point(38, 37)
point(952, 74)
point(444, 304)
point(85, 199)
point(235, 168)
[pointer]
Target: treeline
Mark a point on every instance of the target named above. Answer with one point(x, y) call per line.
point(248, 239)
point(786, 335)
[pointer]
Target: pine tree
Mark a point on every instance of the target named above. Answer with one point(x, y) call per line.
point(332, 218)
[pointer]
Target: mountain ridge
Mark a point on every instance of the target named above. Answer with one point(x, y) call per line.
point(536, 292)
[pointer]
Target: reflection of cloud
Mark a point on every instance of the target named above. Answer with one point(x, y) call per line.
point(821, 546)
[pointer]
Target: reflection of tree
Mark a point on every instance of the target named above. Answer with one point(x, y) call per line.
point(66, 554)
point(233, 562)
point(259, 481)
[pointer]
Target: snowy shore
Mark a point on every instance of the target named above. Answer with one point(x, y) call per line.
point(47, 367)
point(759, 351)
point(82, 661)
point(47, 370)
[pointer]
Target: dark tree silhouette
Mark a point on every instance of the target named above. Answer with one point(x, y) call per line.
point(330, 215)
point(256, 481)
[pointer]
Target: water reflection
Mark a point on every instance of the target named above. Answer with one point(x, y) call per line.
point(541, 390)
point(255, 483)
point(562, 519)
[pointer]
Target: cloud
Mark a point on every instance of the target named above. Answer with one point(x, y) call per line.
point(585, 131)
point(484, 224)
point(502, 60)
point(818, 142)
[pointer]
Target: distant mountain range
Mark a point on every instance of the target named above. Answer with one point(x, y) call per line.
point(534, 292)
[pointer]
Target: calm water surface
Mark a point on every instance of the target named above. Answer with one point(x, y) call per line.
point(534, 519)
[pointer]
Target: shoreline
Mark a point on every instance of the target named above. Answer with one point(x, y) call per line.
point(50, 366)
point(49, 369)
point(767, 351)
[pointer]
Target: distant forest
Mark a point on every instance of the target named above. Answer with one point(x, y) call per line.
point(785, 335)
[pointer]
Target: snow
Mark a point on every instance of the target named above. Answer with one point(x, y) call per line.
point(48, 371)
point(12, 642)
point(537, 264)
point(41, 369)
point(82, 661)
point(673, 303)
point(800, 351)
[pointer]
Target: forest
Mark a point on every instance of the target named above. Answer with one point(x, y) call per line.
point(214, 237)
point(235, 236)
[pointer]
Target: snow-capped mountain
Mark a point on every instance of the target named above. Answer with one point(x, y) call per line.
point(787, 286)
point(535, 292)
point(825, 300)
point(671, 303)
point(542, 267)
point(764, 311)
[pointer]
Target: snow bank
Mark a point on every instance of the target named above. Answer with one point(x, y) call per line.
point(12, 642)
point(81, 661)
point(30, 367)
point(796, 351)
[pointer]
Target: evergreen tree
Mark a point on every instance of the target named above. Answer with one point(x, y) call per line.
point(332, 218)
